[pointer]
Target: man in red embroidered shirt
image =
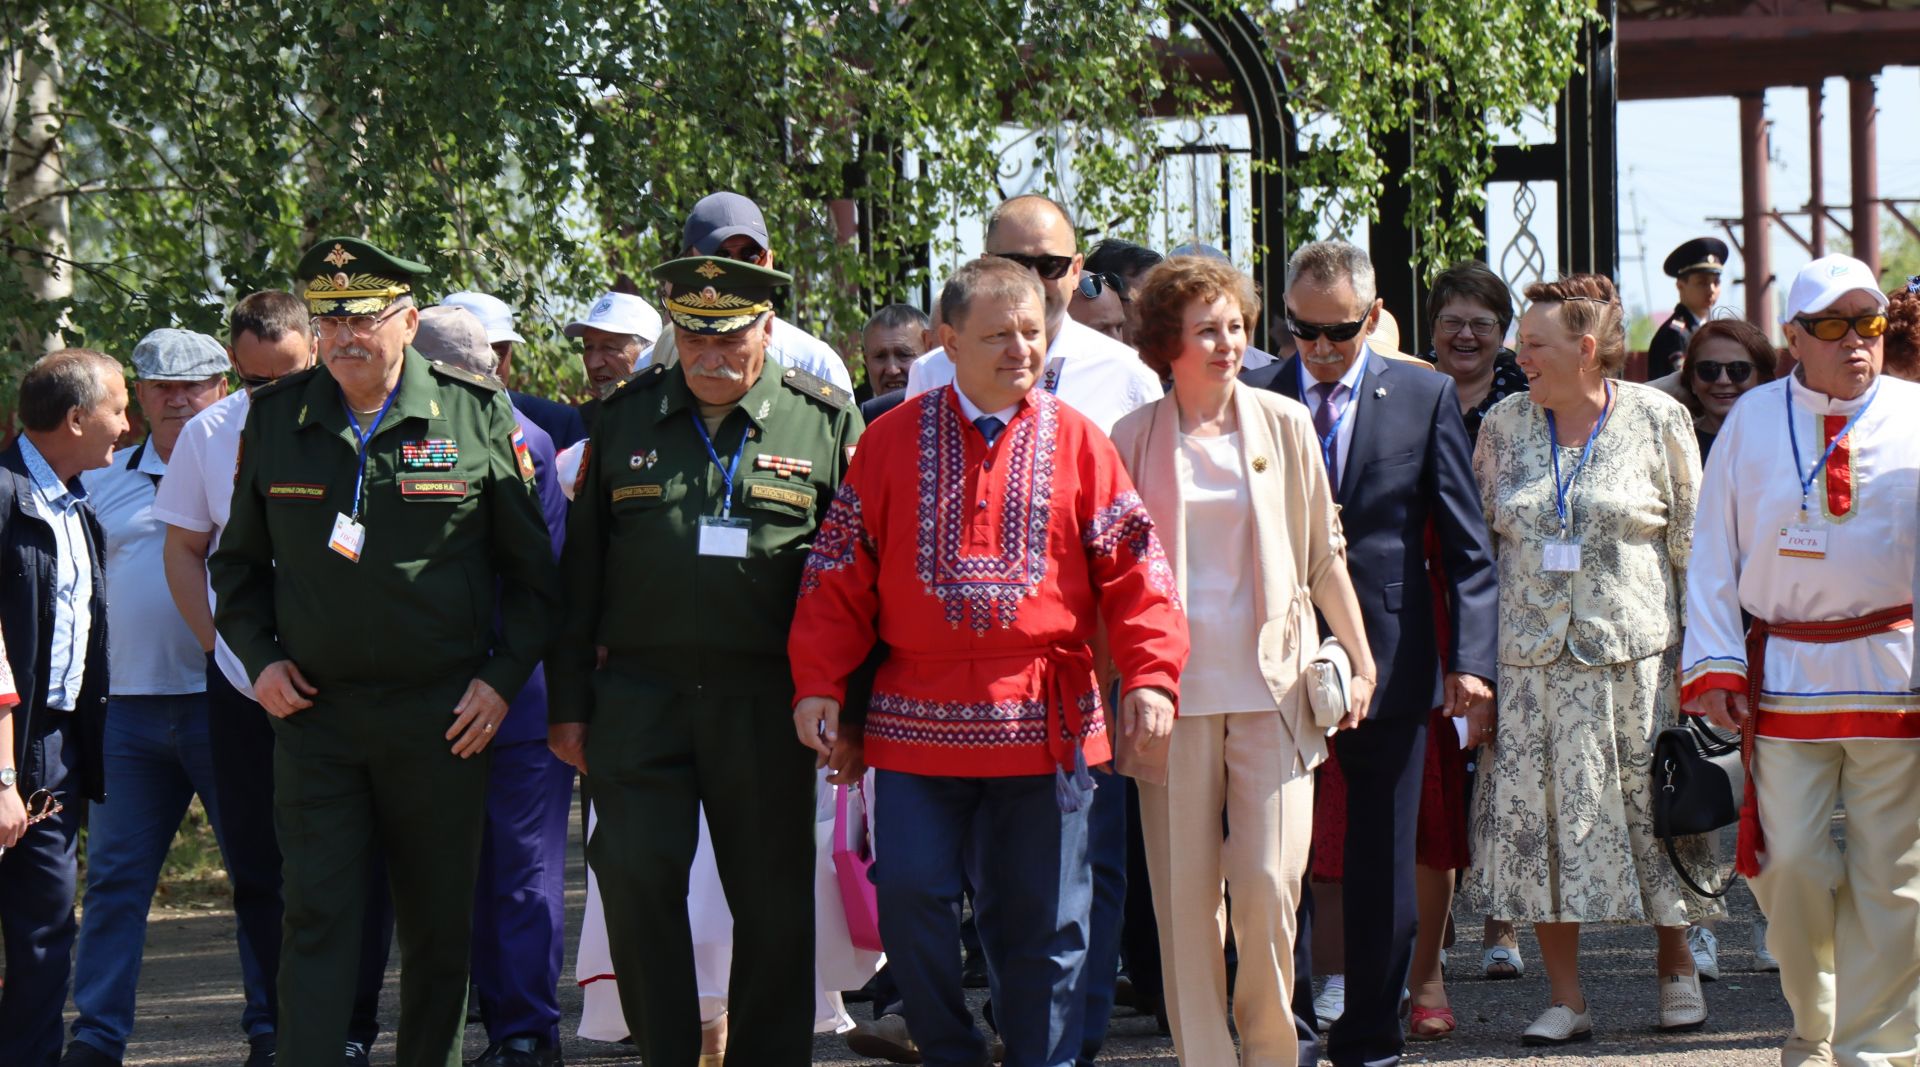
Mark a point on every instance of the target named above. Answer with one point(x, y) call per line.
point(986, 566)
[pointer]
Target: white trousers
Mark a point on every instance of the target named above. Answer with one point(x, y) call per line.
point(1844, 926)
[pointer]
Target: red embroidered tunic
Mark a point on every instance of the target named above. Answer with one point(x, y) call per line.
point(985, 571)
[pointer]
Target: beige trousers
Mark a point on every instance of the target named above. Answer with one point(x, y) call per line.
point(1232, 762)
point(1844, 926)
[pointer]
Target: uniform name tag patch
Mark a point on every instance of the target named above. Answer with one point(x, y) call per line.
point(432, 487)
point(638, 492)
point(296, 491)
point(432, 454)
point(799, 498)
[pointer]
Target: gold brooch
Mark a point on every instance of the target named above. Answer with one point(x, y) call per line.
point(709, 270)
point(1259, 464)
point(339, 257)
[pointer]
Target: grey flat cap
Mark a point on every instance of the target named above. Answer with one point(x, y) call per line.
point(170, 355)
point(453, 335)
point(719, 216)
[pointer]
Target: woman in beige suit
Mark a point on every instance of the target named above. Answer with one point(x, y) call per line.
point(1238, 493)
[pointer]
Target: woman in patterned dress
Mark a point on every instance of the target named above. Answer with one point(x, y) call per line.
point(1589, 486)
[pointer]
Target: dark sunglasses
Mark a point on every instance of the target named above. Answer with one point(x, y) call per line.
point(1337, 331)
point(1092, 285)
point(1737, 371)
point(250, 383)
point(1872, 324)
point(1052, 268)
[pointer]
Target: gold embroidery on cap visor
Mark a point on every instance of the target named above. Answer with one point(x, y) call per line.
point(709, 311)
point(352, 294)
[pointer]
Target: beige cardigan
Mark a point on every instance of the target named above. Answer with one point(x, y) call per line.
point(1296, 531)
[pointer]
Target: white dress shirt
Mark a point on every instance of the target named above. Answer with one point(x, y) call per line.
point(73, 579)
point(152, 653)
point(1094, 374)
point(197, 494)
point(795, 347)
point(1343, 401)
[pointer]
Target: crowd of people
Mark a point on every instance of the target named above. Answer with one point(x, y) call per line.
point(1082, 651)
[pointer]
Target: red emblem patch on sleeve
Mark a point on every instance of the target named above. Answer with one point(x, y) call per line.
point(580, 479)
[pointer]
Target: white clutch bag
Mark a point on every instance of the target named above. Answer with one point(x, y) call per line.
point(1329, 679)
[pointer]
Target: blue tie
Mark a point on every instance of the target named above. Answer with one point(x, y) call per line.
point(1325, 418)
point(989, 428)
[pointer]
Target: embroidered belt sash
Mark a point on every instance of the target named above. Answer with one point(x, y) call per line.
point(1068, 687)
point(1751, 842)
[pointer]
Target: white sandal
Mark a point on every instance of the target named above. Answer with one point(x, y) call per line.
point(1502, 956)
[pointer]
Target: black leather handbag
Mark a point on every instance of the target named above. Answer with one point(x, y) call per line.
point(1698, 783)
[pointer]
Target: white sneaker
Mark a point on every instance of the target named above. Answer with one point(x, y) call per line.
point(1682, 1006)
point(1762, 959)
point(1332, 1002)
point(1559, 1025)
point(1706, 952)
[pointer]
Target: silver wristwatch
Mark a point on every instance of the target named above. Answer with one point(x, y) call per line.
point(8, 776)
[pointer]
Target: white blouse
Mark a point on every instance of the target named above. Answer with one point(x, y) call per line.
point(1223, 670)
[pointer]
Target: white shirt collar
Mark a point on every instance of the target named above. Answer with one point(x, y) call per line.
point(1351, 379)
point(972, 410)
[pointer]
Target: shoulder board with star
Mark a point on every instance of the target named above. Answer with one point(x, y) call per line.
point(638, 381)
point(814, 387)
point(461, 374)
point(283, 384)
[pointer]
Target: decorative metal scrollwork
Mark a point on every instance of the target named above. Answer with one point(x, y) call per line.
point(1522, 261)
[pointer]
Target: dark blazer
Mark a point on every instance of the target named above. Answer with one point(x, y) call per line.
point(1410, 466)
point(27, 554)
point(561, 422)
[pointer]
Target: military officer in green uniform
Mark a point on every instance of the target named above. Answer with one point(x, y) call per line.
point(695, 508)
point(380, 501)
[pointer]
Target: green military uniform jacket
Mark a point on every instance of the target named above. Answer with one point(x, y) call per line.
point(636, 581)
point(450, 516)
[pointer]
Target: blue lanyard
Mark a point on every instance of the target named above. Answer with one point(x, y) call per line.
point(1793, 439)
point(360, 474)
point(727, 470)
point(1563, 492)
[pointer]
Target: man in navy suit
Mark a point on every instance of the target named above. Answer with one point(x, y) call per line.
point(1399, 462)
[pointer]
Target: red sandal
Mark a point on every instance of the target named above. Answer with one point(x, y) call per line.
point(1430, 1024)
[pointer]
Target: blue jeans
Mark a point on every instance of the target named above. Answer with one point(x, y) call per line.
point(1033, 894)
point(156, 760)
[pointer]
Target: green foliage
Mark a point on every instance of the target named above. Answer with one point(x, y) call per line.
point(541, 149)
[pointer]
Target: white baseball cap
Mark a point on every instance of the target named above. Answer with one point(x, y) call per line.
point(619, 313)
point(1826, 280)
point(494, 314)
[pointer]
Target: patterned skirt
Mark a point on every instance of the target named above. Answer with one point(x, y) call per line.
point(1562, 822)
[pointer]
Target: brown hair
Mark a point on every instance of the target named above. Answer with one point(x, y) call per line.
point(1589, 305)
point(1766, 358)
point(1902, 346)
point(1172, 287)
point(269, 315)
point(1470, 280)
point(63, 380)
point(988, 276)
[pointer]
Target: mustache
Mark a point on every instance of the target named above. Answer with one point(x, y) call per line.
point(719, 371)
point(352, 351)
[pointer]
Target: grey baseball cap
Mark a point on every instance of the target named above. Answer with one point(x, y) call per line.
point(454, 335)
point(170, 355)
point(719, 216)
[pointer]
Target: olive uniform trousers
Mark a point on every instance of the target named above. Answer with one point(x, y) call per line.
point(656, 752)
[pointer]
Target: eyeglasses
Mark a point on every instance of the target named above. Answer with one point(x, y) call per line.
point(1336, 331)
point(1872, 324)
point(1737, 371)
point(41, 806)
point(1448, 325)
point(1052, 268)
point(335, 326)
point(1092, 284)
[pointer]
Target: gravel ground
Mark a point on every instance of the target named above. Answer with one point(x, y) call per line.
point(190, 1004)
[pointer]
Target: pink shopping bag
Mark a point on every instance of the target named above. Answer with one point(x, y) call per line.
point(852, 856)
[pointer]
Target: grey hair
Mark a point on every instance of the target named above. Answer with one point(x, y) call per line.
point(988, 276)
point(1333, 262)
point(60, 381)
point(896, 317)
